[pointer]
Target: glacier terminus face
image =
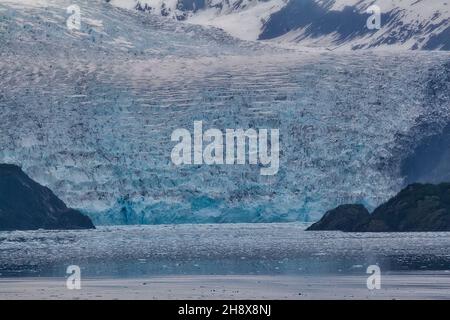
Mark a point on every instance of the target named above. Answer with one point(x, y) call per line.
point(90, 114)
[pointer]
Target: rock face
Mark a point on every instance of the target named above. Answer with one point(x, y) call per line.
point(418, 207)
point(347, 217)
point(26, 205)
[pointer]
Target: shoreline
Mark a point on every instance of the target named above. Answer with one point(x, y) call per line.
point(395, 285)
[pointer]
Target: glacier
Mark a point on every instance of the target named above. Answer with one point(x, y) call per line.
point(90, 113)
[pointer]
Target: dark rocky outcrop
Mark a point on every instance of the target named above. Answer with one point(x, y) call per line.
point(347, 217)
point(418, 207)
point(26, 205)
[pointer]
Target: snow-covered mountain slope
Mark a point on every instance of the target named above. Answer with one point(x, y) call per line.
point(243, 19)
point(406, 24)
point(90, 114)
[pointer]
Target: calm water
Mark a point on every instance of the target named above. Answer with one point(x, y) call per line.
point(129, 251)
